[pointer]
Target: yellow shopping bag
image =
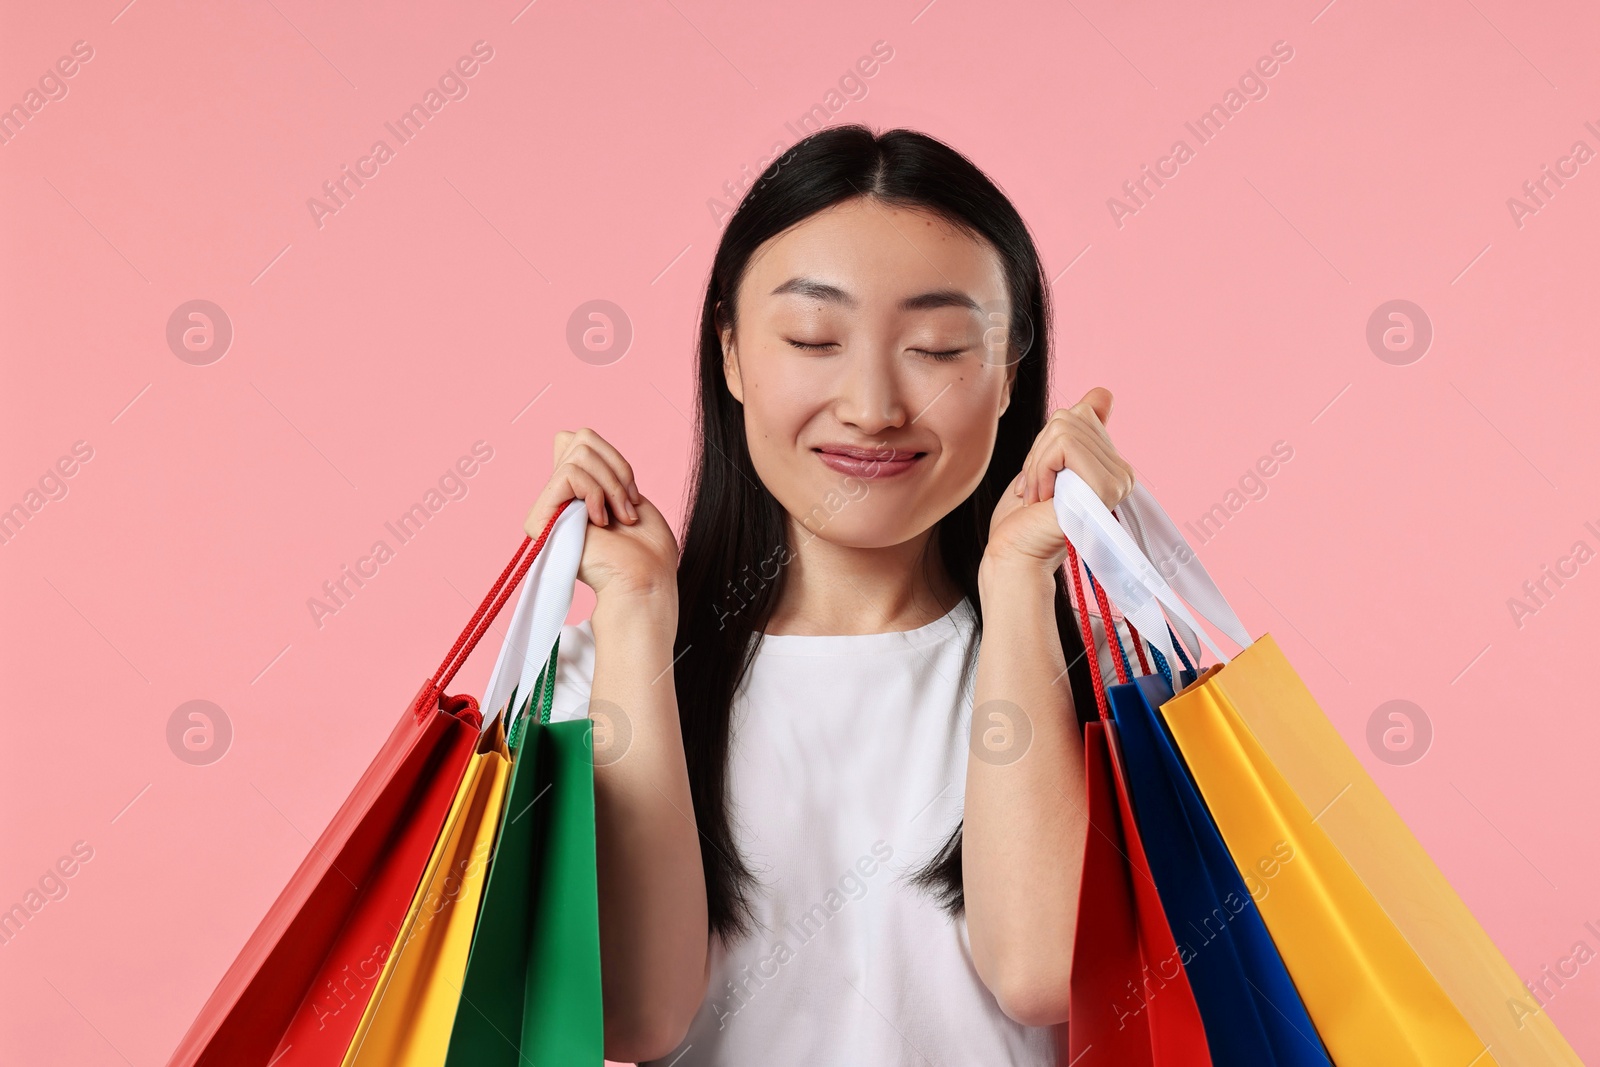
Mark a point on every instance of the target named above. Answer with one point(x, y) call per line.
point(1370, 995)
point(1260, 691)
point(413, 1007)
point(1389, 962)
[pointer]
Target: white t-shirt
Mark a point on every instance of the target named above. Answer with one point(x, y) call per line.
point(848, 767)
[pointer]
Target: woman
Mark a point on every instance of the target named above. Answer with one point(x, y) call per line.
point(798, 860)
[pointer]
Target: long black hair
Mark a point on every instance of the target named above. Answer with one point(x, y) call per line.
point(735, 541)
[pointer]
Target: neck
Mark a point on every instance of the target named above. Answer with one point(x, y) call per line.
point(830, 588)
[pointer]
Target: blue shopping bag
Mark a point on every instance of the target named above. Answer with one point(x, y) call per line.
point(1248, 1004)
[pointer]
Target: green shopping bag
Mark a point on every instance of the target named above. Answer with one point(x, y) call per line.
point(531, 994)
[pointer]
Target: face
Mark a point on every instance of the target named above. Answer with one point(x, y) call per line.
point(870, 358)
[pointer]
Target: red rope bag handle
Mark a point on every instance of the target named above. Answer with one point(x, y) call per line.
point(1118, 658)
point(498, 594)
point(1088, 634)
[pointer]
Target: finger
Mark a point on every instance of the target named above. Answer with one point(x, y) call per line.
point(1093, 441)
point(590, 459)
point(533, 523)
point(1009, 499)
point(1049, 456)
point(1115, 461)
point(567, 483)
point(584, 486)
point(613, 458)
point(1074, 446)
point(563, 442)
point(1091, 458)
point(1041, 475)
point(1043, 485)
point(1099, 401)
point(1045, 458)
point(1050, 452)
point(604, 454)
point(1106, 472)
point(1085, 418)
point(1027, 475)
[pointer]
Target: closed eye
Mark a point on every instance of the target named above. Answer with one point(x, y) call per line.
point(942, 355)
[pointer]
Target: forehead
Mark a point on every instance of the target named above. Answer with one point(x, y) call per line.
point(862, 254)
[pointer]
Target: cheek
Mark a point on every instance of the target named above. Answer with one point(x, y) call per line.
point(966, 421)
point(776, 407)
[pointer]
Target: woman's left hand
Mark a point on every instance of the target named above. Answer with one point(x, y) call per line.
point(1024, 525)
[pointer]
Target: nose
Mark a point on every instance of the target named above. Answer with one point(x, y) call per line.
point(871, 395)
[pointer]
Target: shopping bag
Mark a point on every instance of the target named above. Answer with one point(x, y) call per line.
point(422, 995)
point(1328, 778)
point(413, 1006)
point(1251, 1010)
point(299, 986)
point(532, 993)
point(1391, 965)
point(1372, 997)
point(320, 1029)
point(1130, 1000)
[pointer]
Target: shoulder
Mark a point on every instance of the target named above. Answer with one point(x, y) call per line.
point(574, 673)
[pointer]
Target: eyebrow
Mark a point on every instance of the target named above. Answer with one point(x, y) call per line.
point(832, 294)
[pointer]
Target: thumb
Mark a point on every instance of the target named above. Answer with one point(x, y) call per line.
point(1099, 401)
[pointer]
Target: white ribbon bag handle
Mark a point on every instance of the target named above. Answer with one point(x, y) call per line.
point(541, 611)
point(1177, 561)
point(1132, 582)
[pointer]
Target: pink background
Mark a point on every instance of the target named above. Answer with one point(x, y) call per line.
point(1227, 314)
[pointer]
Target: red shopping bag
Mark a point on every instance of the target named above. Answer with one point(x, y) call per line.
point(1130, 1000)
point(346, 976)
point(299, 987)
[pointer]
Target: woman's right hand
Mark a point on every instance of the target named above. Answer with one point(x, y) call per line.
point(634, 557)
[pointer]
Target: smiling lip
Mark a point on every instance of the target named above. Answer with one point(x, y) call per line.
point(867, 462)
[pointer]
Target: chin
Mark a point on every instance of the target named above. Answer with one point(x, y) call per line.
point(859, 530)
